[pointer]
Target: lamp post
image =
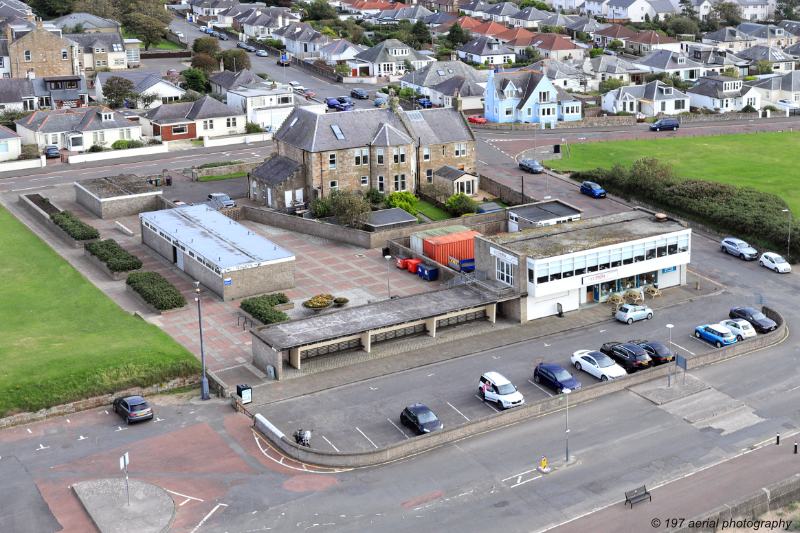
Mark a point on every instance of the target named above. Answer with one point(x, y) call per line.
point(388, 282)
point(789, 241)
point(204, 381)
point(566, 433)
point(669, 364)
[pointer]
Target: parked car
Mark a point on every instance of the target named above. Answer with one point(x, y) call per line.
point(308, 93)
point(555, 377)
point(178, 203)
point(665, 124)
point(757, 319)
point(381, 102)
point(628, 356)
point(295, 85)
point(346, 100)
point(222, 37)
point(787, 104)
point(630, 313)
point(425, 103)
point(340, 106)
point(739, 248)
point(262, 53)
point(659, 353)
point(774, 262)
point(214, 33)
point(172, 72)
point(597, 364)
point(241, 45)
point(477, 119)
point(284, 62)
point(224, 198)
point(420, 419)
point(205, 29)
point(179, 34)
point(132, 408)
point(494, 387)
point(331, 102)
point(531, 165)
point(739, 327)
point(609, 52)
point(593, 189)
point(250, 48)
point(361, 94)
point(717, 335)
point(51, 152)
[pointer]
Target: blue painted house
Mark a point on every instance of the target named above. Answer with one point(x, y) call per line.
point(527, 96)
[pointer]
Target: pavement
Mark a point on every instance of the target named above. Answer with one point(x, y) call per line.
point(120, 506)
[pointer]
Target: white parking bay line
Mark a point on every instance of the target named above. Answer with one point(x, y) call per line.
point(700, 341)
point(682, 348)
point(370, 440)
point(457, 411)
point(538, 387)
point(398, 429)
point(484, 403)
point(523, 482)
point(329, 442)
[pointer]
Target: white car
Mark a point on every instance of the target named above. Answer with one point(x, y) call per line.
point(774, 262)
point(739, 327)
point(296, 86)
point(787, 104)
point(493, 387)
point(597, 364)
point(179, 33)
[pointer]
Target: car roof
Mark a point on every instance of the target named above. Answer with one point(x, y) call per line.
point(417, 408)
point(734, 239)
point(748, 309)
point(771, 254)
point(134, 400)
point(719, 327)
point(552, 367)
point(496, 378)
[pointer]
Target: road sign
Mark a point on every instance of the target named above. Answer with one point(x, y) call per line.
point(680, 361)
point(761, 300)
point(283, 57)
point(124, 461)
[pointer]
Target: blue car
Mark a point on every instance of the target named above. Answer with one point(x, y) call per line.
point(331, 102)
point(424, 102)
point(380, 102)
point(342, 106)
point(555, 377)
point(716, 334)
point(593, 189)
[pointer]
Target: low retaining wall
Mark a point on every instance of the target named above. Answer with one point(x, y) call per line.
point(368, 80)
point(496, 421)
point(245, 138)
point(33, 209)
point(64, 236)
point(197, 173)
point(150, 307)
point(10, 166)
point(713, 117)
point(117, 206)
point(116, 276)
point(164, 54)
point(504, 192)
point(315, 69)
point(116, 154)
point(588, 122)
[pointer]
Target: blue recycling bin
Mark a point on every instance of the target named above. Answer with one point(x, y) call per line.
point(427, 272)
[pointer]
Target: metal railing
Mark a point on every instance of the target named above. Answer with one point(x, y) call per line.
point(463, 278)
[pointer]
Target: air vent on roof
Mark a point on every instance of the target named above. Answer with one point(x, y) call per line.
point(660, 217)
point(450, 70)
point(338, 132)
point(414, 116)
point(292, 124)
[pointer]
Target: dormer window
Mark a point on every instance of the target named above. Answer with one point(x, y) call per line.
point(779, 31)
point(667, 90)
point(107, 116)
point(681, 60)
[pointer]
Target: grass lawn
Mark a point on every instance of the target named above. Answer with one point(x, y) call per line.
point(431, 211)
point(63, 339)
point(165, 45)
point(764, 161)
point(223, 177)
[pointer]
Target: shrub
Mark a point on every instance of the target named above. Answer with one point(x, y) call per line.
point(404, 200)
point(29, 151)
point(749, 78)
point(95, 148)
point(748, 109)
point(624, 113)
point(220, 164)
point(155, 290)
point(322, 207)
point(120, 145)
point(116, 258)
point(262, 308)
point(135, 144)
point(461, 204)
point(75, 227)
point(770, 108)
point(375, 197)
point(153, 141)
point(252, 127)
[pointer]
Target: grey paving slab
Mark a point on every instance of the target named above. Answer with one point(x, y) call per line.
point(659, 393)
point(22, 508)
point(151, 508)
point(702, 405)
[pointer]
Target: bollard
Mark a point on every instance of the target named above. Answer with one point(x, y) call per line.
point(544, 461)
point(795, 447)
point(778, 439)
point(698, 286)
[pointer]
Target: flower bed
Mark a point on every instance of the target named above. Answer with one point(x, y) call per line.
point(262, 308)
point(156, 291)
point(116, 258)
point(74, 227)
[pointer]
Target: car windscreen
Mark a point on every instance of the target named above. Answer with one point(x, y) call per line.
point(562, 375)
point(595, 186)
point(660, 349)
point(425, 417)
point(778, 260)
point(139, 407)
point(744, 326)
point(223, 197)
point(724, 334)
point(759, 316)
point(603, 361)
point(508, 388)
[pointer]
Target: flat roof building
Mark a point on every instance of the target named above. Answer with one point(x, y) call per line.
point(541, 214)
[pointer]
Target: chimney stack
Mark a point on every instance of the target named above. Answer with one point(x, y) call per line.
point(453, 56)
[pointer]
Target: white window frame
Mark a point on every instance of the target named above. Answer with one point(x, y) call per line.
point(426, 154)
point(208, 124)
point(333, 185)
point(98, 137)
point(230, 122)
point(26, 56)
point(364, 181)
point(381, 187)
point(332, 160)
point(400, 182)
point(185, 129)
point(504, 272)
point(64, 54)
point(380, 156)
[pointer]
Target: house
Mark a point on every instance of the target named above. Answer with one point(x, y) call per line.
point(145, 82)
point(650, 99)
point(650, 40)
point(279, 183)
point(340, 50)
point(434, 19)
point(528, 17)
point(528, 97)
point(723, 94)
point(615, 32)
point(604, 67)
point(206, 117)
point(663, 9)
point(717, 60)
point(40, 48)
point(268, 105)
point(90, 23)
point(570, 6)
point(10, 144)
point(488, 29)
point(53, 92)
point(465, 22)
point(474, 8)
point(702, 7)
point(672, 63)
point(367, 9)
point(768, 34)
point(630, 10)
point(98, 50)
point(587, 26)
point(756, 9)
point(262, 23)
point(442, 6)
point(207, 10)
point(557, 20)
point(301, 39)
point(387, 58)
point(790, 26)
point(512, 34)
point(447, 93)
point(486, 51)
point(434, 81)
point(596, 8)
point(77, 129)
point(555, 46)
point(223, 81)
point(15, 9)
point(730, 38)
point(455, 181)
point(500, 12)
point(17, 94)
point(561, 74)
point(793, 50)
point(393, 16)
point(781, 62)
point(774, 88)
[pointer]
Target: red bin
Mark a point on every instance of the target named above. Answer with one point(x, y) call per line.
point(401, 261)
point(412, 265)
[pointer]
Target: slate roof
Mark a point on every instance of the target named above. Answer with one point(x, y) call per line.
point(665, 60)
point(89, 21)
point(480, 46)
point(653, 91)
point(276, 169)
point(76, 119)
point(762, 52)
point(587, 25)
point(714, 57)
point(449, 173)
point(501, 9)
point(712, 86)
point(793, 50)
point(621, 3)
point(530, 14)
point(662, 6)
point(555, 69)
point(340, 46)
point(615, 31)
point(557, 19)
point(15, 89)
point(792, 26)
point(40, 88)
point(789, 82)
point(91, 40)
point(728, 35)
point(6, 133)
point(525, 82)
point(435, 19)
point(429, 75)
point(464, 87)
point(390, 136)
point(415, 12)
point(474, 6)
point(232, 80)
point(302, 32)
point(142, 79)
point(205, 108)
point(613, 65)
point(378, 53)
point(14, 8)
point(763, 31)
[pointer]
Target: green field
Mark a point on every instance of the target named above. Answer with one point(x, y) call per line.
point(431, 211)
point(63, 339)
point(765, 161)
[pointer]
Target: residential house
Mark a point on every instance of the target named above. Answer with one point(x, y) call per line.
point(302, 39)
point(774, 88)
point(555, 46)
point(340, 50)
point(280, 183)
point(388, 58)
point(434, 19)
point(663, 9)
point(15, 9)
point(672, 63)
point(702, 7)
point(77, 129)
point(569, 6)
point(464, 21)
point(90, 23)
point(790, 26)
point(486, 51)
point(448, 92)
point(781, 62)
point(442, 6)
point(756, 9)
point(145, 82)
point(557, 20)
point(393, 16)
point(17, 94)
point(615, 32)
point(768, 34)
point(629, 10)
point(53, 92)
point(649, 99)
point(435, 82)
point(528, 17)
point(723, 94)
point(587, 26)
point(10, 144)
point(98, 50)
point(206, 10)
point(793, 50)
point(603, 68)
point(650, 40)
point(528, 97)
point(206, 117)
point(500, 12)
point(596, 8)
point(366, 9)
point(262, 23)
point(36, 47)
point(511, 34)
point(456, 181)
point(730, 38)
point(474, 8)
point(223, 81)
point(488, 29)
point(718, 60)
point(268, 105)
point(560, 74)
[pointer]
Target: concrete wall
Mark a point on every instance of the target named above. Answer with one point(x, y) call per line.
point(588, 122)
point(118, 206)
point(196, 173)
point(263, 356)
point(507, 194)
point(714, 117)
point(117, 154)
point(244, 138)
point(10, 166)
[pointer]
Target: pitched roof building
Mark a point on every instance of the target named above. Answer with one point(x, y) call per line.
point(388, 58)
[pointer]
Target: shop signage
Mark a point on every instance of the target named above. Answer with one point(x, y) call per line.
point(503, 256)
point(670, 269)
point(600, 276)
point(227, 281)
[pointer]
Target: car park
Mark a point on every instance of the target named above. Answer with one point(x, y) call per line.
point(132, 409)
point(593, 189)
point(597, 364)
point(346, 100)
point(420, 419)
point(494, 387)
point(224, 198)
point(739, 248)
point(631, 313)
point(51, 152)
point(555, 377)
point(381, 102)
point(284, 62)
point(222, 37)
point(757, 319)
point(628, 356)
point(425, 103)
point(716, 334)
point(659, 353)
point(531, 165)
point(774, 262)
point(665, 124)
point(739, 327)
point(477, 119)
point(361, 94)
point(261, 53)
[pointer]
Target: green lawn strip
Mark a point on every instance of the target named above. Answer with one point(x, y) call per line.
point(63, 339)
point(764, 161)
point(223, 177)
point(431, 211)
point(164, 45)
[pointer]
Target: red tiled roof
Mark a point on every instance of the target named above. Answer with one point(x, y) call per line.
point(616, 31)
point(545, 41)
point(651, 37)
point(489, 28)
point(514, 33)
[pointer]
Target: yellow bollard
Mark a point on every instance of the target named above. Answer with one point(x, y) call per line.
point(544, 462)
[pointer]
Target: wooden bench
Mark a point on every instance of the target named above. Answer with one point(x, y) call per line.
point(616, 299)
point(637, 495)
point(652, 291)
point(634, 295)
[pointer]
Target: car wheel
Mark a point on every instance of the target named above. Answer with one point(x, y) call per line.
point(114, 408)
point(500, 405)
point(723, 249)
point(604, 378)
point(777, 271)
point(630, 321)
point(761, 263)
point(697, 334)
point(127, 421)
point(741, 256)
point(482, 394)
point(649, 316)
point(658, 129)
point(718, 344)
point(577, 366)
point(739, 338)
point(536, 378)
point(403, 421)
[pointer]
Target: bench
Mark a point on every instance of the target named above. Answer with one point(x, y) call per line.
point(637, 495)
point(653, 291)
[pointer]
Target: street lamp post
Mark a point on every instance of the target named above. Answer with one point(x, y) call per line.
point(204, 382)
point(388, 282)
point(566, 433)
point(789, 241)
point(671, 351)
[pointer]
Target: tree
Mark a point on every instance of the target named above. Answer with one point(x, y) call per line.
point(532, 54)
point(320, 10)
point(106, 9)
point(457, 36)
point(728, 12)
point(615, 44)
point(149, 30)
point(731, 72)
point(404, 200)
point(195, 79)
point(647, 18)
point(364, 41)
point(684, 25)
point(206, 45)
point(786, 10)
point(350, 208)
point(329, 32)
point(611, 84)
point(147, 99)
point(235, 60)
point(149, 8)
point(687, 9)
point(116, 90)
point(55, 7)
point(461, 204)
point(594, 52)
point(421, 33)
point(78, 28)
point(541, 6)
point(657, 18)
point(762, 67)
point(437, 191)
point(408, 66)
point(205, 62)
point(342, 69)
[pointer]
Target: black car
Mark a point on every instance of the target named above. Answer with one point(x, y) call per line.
point(241, 45)
point(250, 48)
point(284, 62)
point(659, 353)
point(346, 100)
point(420, 419)
point(132, 409)
point(629, 356)
point(757, 319)
point(361, 94)
point(531, 165)
point(222, 37)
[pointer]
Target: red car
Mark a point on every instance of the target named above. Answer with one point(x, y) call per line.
point(309, 94)
point(477, 119)
point(172, 72)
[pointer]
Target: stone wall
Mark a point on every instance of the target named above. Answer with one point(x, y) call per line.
point(263, 356)
point(254, 281)
point(120, 206)
point(713, 117)
point(588, 122)
point(507, 194)
point(196, 173)
point(328, 73)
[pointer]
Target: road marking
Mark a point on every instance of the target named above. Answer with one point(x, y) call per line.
point(203, 521)
point(120, 428)
point(370, 440)
point(519, 475)
point(329, 442)
point(523, 482)
point(398, 429)
point(29, 188)
point(429, 375)
point(188, 498)
point(682, 348)
point(29, 431)
point(373, 388)
point(701, 341)
point(82, 438)
point(495, 357)
point(47, 178)
point(457, 411)
point(538, 387)
point(157, 420)
point(42, 447)
point(68, 422)
point(547, 345)
point(486, 404)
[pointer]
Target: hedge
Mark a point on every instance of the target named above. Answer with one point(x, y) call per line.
point(262, 308)
point(219, 164)
point(116, 258)
point(155, 290)
point(75, 227)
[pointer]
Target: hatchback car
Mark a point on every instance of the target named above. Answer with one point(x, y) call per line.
point(381, 102)
point(425, 103)
point(295, 85)
point(477, 119)
point(420, 419)
point(172, 72)
point(261, 53)
point(284, 62)
point(132, 409)
point(51, 152)
point(531, 165)
point(179, 33)
point(593, 189)
point(631, 313)
point(241, 45)
point(738, 248)
point(717, 335)
point(739, 327)
point(205, 29)
point(628, 356)
point(665, 124)
point(331, 101)
point(250, 48)
point(361, 94)
point(756, 318)
point(774, 262)
point(224, 198)
point(346, 100)
point(222, 37)
point(597, 364)
point(659, 353)
point(609, 52)
point(555, 377)
point(494, 387)
point(343, 107)
point(788, 103)
point(214, 33)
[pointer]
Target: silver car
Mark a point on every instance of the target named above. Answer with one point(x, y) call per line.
point(739, 248)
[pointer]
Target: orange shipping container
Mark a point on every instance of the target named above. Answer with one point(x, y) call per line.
point(459, 245)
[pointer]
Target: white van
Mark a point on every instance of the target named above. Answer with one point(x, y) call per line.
point(493, 387)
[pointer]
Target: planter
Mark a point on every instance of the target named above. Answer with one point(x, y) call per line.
point(35, 210)
point(149, 307)
point(284, 307)
point(64, 236)
point(116, 276)
point(341, 304)
point(318, 310)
